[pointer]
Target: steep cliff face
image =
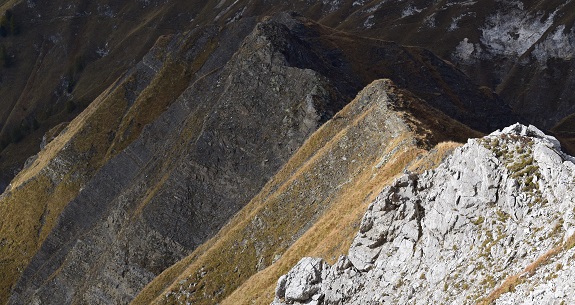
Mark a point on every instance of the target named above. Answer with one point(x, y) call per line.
point(494, 222)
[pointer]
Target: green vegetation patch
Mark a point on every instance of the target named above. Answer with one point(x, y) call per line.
point(516, 154)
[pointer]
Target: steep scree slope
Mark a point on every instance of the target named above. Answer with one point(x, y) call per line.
point(34, 200)
point(495, 221)
point(180, 179)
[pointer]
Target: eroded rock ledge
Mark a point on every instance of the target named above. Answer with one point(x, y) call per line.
point(499, 208)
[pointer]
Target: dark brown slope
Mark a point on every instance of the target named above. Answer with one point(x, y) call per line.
point(64, 56)
point(357, 61)
point(212, 150)
point(522, 50)
point(66, 53)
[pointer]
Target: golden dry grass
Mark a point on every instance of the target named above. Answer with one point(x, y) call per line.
point(512, 281)
point(30, 209)
point(434, 157)
point(312, 206)
point(330, 236)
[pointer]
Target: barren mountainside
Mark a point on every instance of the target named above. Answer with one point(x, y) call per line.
point(62, 55)
point(195, 152)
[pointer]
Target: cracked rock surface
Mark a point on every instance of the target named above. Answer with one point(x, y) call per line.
point(454, 234)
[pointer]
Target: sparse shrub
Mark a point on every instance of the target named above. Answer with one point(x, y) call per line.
point(488, 281)
point(478, 221)
point(502, 216)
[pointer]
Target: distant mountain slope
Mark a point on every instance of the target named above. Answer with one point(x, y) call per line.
point(492, 222)
point(64, 54)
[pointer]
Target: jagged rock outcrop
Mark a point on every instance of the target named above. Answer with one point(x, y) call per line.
point(493, 222)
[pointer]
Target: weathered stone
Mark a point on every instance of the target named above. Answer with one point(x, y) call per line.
point(495, 206)
point(303, 281)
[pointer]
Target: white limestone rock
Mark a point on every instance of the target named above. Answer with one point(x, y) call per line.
point(302, 282)
point(453, 234)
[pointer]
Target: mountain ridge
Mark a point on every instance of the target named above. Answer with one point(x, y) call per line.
point(292, 208)
point(197, 151)
point(57, 78)
point(208, 171)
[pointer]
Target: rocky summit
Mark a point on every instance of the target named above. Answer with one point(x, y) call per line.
point(494, 222)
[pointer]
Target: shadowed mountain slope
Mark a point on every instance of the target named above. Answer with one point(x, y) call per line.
point(37, 196)
point(61, 55)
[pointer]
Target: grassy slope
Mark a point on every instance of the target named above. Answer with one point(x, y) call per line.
point(272, 189)
point(39, 193)
point(313, 205)
point(333, 233)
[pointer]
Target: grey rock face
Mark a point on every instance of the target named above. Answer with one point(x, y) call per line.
point(302, 282)
point(453, 234)
point(185, 175)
